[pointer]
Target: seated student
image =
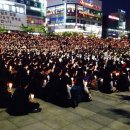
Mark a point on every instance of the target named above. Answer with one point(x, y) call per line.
point(20, 103)
point(5, 95)
point(123, 82)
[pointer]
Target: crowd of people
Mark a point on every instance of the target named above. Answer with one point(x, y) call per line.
point(59, 69)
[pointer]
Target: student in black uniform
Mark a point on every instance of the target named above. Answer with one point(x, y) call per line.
point(20, 103)
point(5, 94)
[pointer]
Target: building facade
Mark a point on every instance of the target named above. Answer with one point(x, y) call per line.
point(75, 15)
point(12, 15)
point(114, 24)
point(36, 11)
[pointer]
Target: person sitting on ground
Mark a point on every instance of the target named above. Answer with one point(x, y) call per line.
point(5, 94)
point(20, 103)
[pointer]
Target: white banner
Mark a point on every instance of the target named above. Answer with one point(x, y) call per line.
point(11, 20)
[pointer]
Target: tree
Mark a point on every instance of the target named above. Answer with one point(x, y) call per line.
point(2, 29)
point(27, 29)
point(43, 29)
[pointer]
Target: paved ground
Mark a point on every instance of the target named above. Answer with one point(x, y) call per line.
point(105, 112)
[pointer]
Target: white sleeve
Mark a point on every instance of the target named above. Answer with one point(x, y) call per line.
point(85, 86)
point(68, 90)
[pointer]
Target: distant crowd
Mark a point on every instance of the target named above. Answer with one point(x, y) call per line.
point(59, 69)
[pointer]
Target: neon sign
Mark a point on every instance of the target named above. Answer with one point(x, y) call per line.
point(113, 17)
point(90, 5)
point(85, 3)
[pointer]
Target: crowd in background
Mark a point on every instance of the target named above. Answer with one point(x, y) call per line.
point(60, 69)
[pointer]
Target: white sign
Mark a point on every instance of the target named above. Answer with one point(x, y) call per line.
point(11, 20)
point(113, 17)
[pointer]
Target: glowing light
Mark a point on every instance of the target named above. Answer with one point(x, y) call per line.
point(36, 9)
point(90, 5)
point(10, 85)
point(113, 17)
point(32, 96)
point(6, 2)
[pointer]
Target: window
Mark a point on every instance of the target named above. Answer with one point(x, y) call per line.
point(6, 7)
point(13, 9)
point(17, 9)
point(28, 2)
point(93, 23)
point(99, 24)
point(70, 6)
point(87, 22)
point(70, 20)
point(21, 10)
point(80, 7)
point(1, 6)
point(35, 4)
point(34, 13)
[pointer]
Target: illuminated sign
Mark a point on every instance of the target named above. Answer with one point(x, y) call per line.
point(113, 17)
point(36, 9)
point(90, 4)
point(86, 3)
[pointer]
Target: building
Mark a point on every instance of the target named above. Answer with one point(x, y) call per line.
point(128, 24)
point(12, 15)
point(128, 28)
point(114, 24)
point(75, 15)
point(36, 11)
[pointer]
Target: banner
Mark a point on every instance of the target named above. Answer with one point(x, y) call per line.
point(11, 20)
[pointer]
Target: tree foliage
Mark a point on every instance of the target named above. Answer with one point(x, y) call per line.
point(2, 29)
point(27, 29)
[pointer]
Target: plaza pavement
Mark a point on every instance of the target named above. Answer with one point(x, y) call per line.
point(105, 112)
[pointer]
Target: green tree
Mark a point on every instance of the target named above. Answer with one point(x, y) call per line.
point(2, 29)
point(27, 29)
point(43, 29)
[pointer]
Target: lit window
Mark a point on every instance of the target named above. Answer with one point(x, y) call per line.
point(6, 7)
point(1, 6)
point(21, 10)
point(18, 9)
point(13, 9)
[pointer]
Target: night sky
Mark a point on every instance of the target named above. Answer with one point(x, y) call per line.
point(110, 6)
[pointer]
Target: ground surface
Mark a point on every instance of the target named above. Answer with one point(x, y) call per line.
point(105, 112)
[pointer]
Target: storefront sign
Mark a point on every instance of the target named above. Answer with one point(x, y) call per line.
point(90, 5)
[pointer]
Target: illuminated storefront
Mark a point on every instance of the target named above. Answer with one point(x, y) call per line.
point(85, 15)
point(12, 15)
